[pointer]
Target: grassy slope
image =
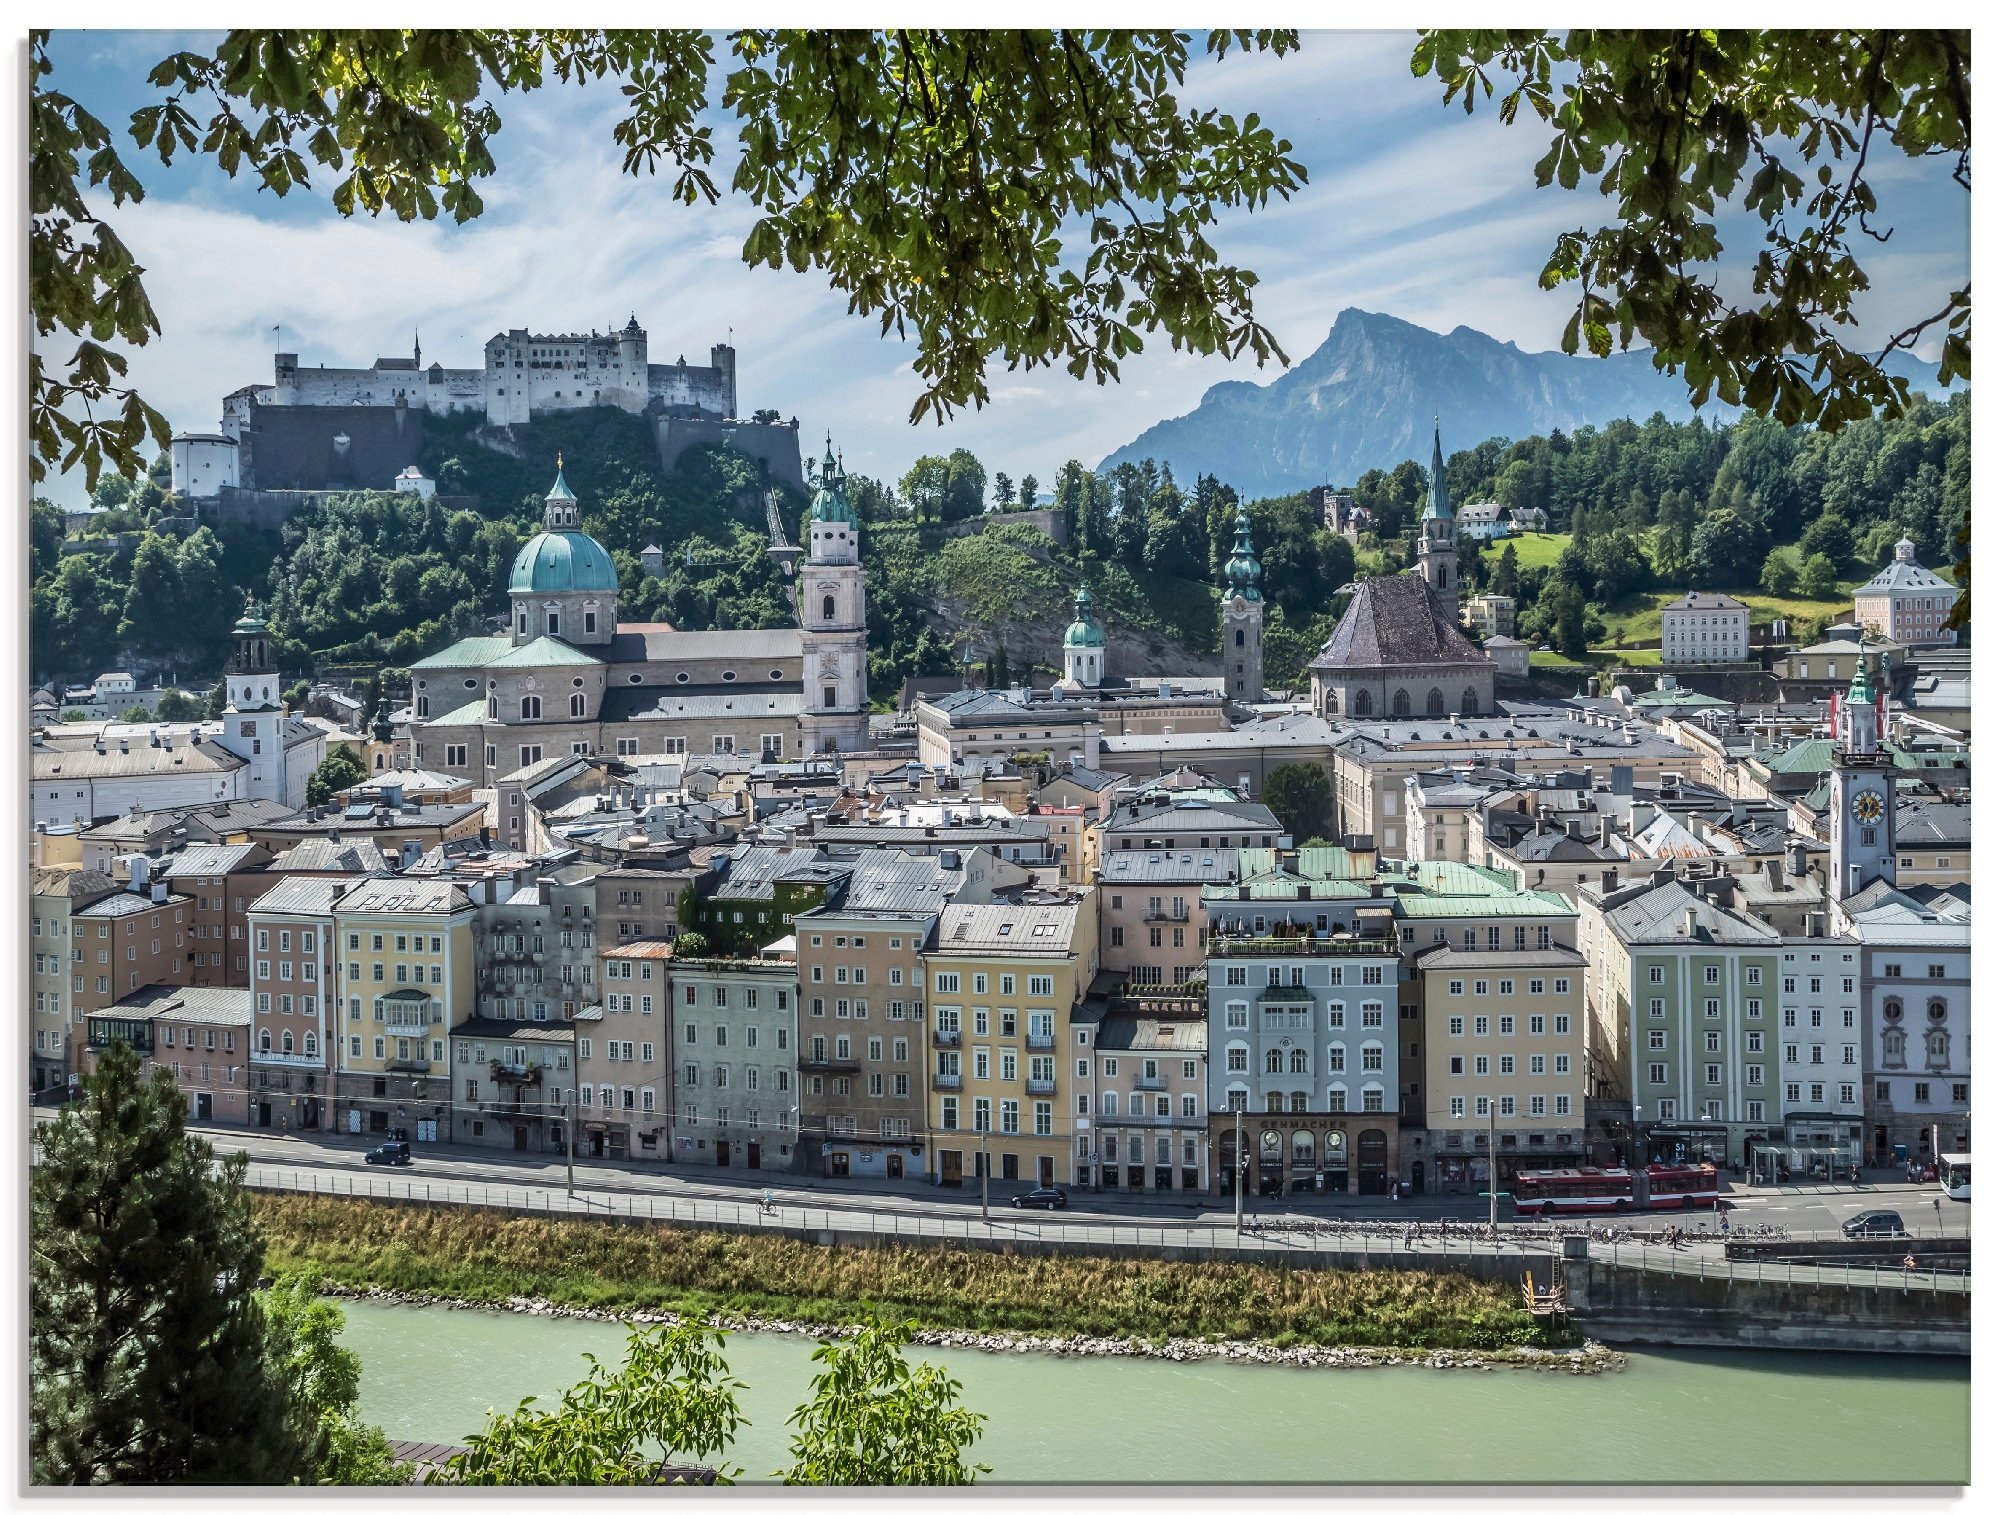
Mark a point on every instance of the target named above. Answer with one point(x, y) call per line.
point(481, 1255)
point(1534, 549)
point(1637, 617)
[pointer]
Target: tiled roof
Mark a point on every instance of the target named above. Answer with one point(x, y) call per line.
point(1542, 957)
point(403, 896)
point(299, 896)
point(78, 883)
point(1167, 865)
point(652, 702)
point(1658, 914)
point(662, 644)
point(322, 855)
point(201, 861)
point(1395, 620)
point(1121, 1031)
point(1011, 929)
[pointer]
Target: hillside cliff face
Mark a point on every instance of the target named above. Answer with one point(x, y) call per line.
point(1365, 397)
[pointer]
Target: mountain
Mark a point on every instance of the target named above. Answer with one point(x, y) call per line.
point(1365, 398)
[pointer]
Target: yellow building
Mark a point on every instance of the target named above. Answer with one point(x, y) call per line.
point(404, 965)
point(1004, 979)
point(1507, 1062)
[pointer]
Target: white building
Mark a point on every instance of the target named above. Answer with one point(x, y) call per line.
point(1906, 602)
point(204, 464)
point(1703, 627)
point(1483, 520)
point(1819, 1034)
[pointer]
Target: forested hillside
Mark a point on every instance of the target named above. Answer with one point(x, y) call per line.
point(1636, 511)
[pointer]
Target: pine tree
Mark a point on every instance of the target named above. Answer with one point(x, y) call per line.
point(147, 1356)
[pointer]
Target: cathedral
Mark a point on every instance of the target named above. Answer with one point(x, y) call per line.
point(567, 677)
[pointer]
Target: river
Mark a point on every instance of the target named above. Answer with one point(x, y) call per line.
point(1671, 1416)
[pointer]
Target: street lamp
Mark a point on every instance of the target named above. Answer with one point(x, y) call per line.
point(985, 1174)
point(569, 1125)
point(1242, 1169)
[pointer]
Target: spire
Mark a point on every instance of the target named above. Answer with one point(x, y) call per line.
point(559, 506)
point(381, 729)
point(1439, 508)
point(1862, 689)
point(418, 347)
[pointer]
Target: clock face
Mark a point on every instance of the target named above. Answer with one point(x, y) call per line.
point(1868, 806)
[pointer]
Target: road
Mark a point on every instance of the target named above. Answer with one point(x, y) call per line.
point(1799, 1208)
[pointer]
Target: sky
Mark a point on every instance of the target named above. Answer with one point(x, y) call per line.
point(1412, 209)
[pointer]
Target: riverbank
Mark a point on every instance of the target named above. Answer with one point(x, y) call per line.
point(1120, 1306)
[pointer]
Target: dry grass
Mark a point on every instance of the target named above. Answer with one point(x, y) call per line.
point(482, 1255)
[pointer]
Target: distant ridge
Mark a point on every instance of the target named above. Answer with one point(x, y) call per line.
point(1365, 397)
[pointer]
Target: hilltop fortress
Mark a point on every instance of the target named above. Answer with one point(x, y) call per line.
point(315, 429)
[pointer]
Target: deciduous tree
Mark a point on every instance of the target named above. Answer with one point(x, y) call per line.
point(875, 1421)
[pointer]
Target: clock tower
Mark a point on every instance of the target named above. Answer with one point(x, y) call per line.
point(1861, 817)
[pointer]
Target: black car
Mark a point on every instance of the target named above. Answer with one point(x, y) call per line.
point(1873, 1223)
point(396, 1154)
point(1044, 1197)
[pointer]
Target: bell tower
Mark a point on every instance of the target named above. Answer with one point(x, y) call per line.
point(1861, 809)
point(1437, 544)
point(1243, 619)
point(253, 720)
point(833, 620)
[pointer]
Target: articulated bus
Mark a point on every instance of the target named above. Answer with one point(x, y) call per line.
point(1680, 1186)
point(1955, 1174)
point(1572, 1191)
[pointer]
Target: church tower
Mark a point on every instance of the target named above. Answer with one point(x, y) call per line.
point(1243, 619)
point(1861, 812)
point(1083, 646)
point(833, 620)
point(253, 720)
point(1437, 544)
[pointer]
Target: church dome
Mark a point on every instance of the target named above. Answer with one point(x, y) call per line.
point(562, 562)
point(561, 559)
point(1084, 631)
point(1243, 570)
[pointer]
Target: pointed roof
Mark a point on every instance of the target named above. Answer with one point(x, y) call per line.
point(1439, 508)
point(1395, 620)
point(1243, 570)
point(560, 490)
point(1084, 631)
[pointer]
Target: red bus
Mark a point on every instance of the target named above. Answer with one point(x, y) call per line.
point(1681, 1186)
point(1572, 1191)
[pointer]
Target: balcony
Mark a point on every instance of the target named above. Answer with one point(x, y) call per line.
point(1300, 946)
point(949, 1083)
point(408, 1065)
point(946, 1038)
point(1041, 1041)
point(1041, 1086)
point(287, 1060)
point(1155, 917)
point(1157, 1082)
point(506, 1074)
point(830, 1064)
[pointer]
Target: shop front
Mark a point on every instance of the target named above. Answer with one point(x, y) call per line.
point(1303, 1155)
point(1696, 1142)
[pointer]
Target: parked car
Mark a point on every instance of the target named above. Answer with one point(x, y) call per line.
point(396, 1154)
point(1045, 1197)
point(1873, 1223)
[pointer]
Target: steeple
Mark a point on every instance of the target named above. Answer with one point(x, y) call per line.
point(1083, 645)
point(1243, 572)
point(559, 506)
point(1856, 725)
point(1440, 505)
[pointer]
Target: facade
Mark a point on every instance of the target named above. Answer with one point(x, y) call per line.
point(1141, 1098)
point(1004, 979)
point(404, 966)
point(1490, 615)
point(57, 949)
point(1683, 994)
point(1507, 1068)
point(200, 1036)
point(1304, 1061)
point(514, 1083)
point(1819, 1030)
point(1483, 521)
point(861, 1094)
point(1916, 987)
point(1704, 627)
point(624, 1060)
point(1152, 924)
point(128, 941)
point(295, 1001)
point(224, 882)
point(737, 1055)
point(1906, 602)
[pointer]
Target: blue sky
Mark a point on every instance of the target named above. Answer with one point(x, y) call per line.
point(1413, 209)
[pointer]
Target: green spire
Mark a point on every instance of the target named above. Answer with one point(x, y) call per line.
point(560, 489)
point(1862, 689)
point(1084, 631)
point(1439, 508)
point(1243, 571)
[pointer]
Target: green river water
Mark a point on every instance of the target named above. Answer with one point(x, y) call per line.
point(1670, 1417)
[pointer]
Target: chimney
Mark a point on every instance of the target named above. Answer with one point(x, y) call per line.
point(1604, 831)
point(1815, 923)
point(159, 891)
point(1795, 859)
point(1610, 880)
point(1690, 919)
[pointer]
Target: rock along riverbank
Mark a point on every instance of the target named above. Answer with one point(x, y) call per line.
point(1591, 1357)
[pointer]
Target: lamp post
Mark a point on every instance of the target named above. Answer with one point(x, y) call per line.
point(1242, 1170)
point(985, 1173)
point(569, 1126)
point(1492, 1165)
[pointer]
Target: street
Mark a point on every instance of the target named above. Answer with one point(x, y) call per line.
point(1799, 1208)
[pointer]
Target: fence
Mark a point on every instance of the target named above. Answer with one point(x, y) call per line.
point(1673, 1261)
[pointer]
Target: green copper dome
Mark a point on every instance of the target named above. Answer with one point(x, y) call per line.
point(829, 501)
point(562, 562)
point(251, 624)
point(1084, 631)
point(1243, 570)
point(1861, 690)
point(561, 559)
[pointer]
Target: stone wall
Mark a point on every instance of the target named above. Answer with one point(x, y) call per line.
point(288, 447)
point(775, 445)
point(1051, 523)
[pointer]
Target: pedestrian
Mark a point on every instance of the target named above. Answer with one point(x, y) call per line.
point(1722, 1220)
point(1409, 1238)
point(1909, 1262)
